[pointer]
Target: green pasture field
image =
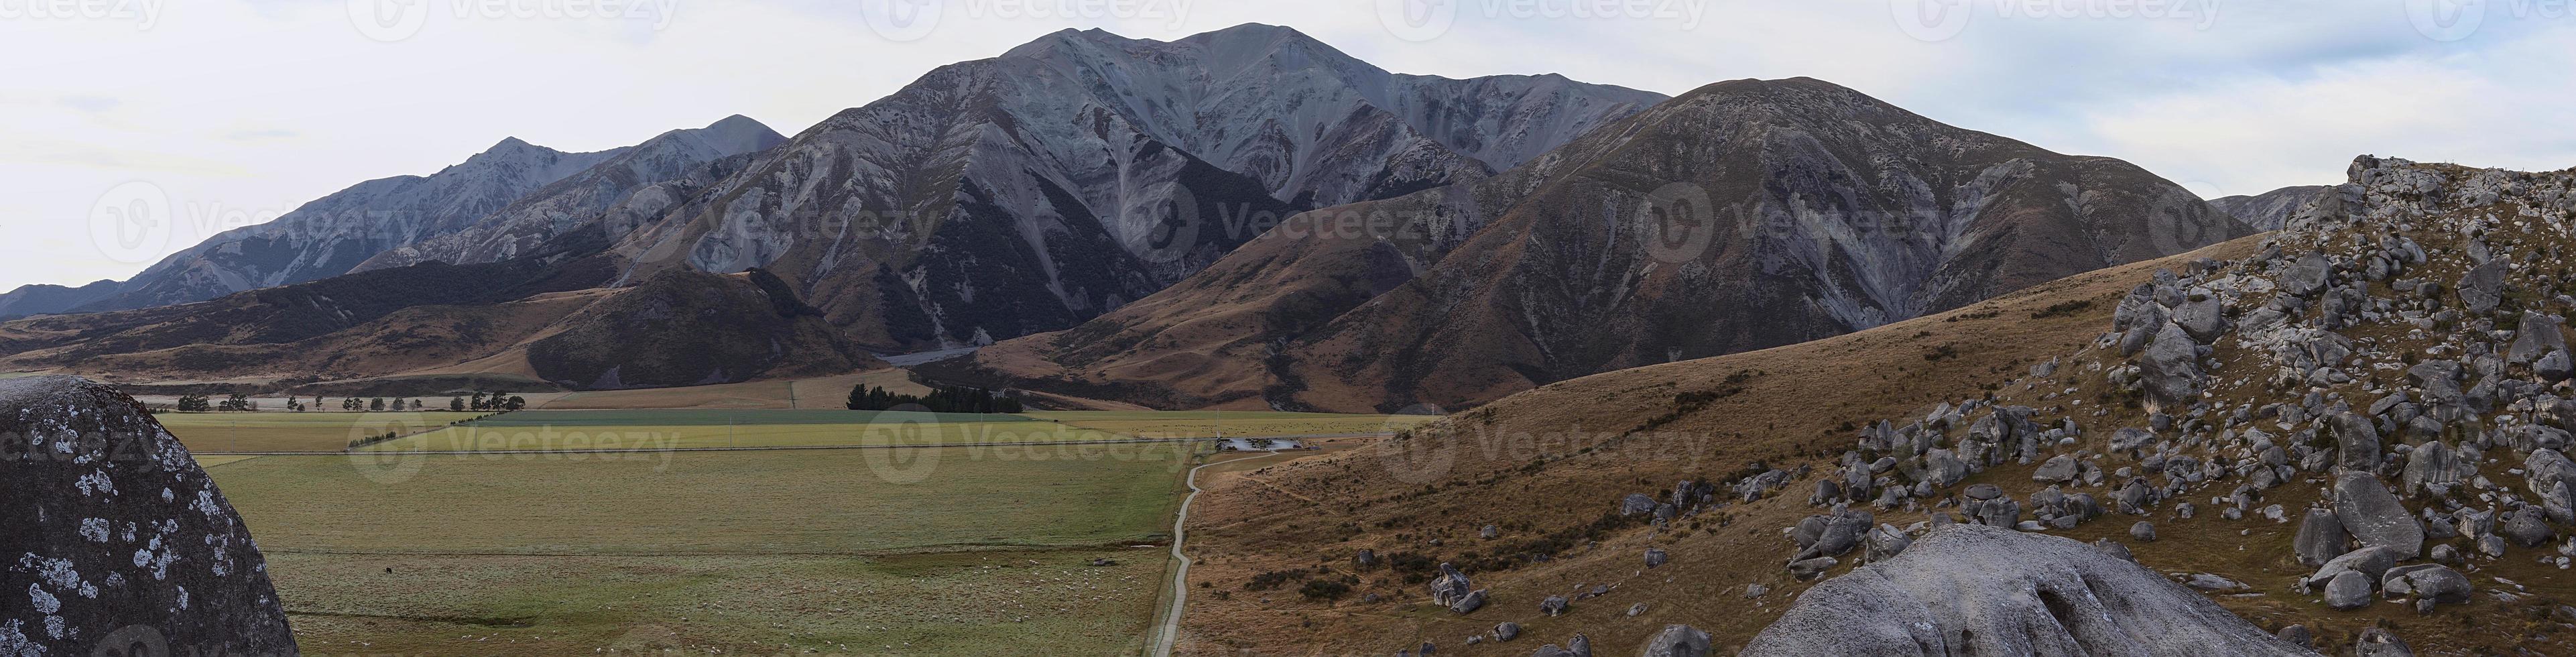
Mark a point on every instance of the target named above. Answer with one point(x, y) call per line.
point(890, 430)
point(722, 417)
point(978, 550)
point(288, 431)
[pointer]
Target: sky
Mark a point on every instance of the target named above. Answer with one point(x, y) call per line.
point(215, 114)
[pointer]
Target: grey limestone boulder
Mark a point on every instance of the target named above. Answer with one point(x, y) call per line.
point(1970, 589)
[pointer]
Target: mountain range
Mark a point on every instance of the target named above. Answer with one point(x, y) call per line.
point(1743, 215)
point(1172, 223)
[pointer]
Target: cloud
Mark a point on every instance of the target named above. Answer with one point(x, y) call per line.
point(90, 104)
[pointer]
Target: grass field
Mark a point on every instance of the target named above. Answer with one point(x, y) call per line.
point(286, 431)
point(947, 551)
point(1201, 424)
point(694, 429)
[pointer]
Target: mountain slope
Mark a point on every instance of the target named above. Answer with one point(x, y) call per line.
point(1074, 174)
point(447, 216)
point(1742, 215)
point(2395, 365)
point(652, 177)
point(2268, 210)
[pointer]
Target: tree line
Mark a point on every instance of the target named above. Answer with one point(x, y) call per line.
point(942, 399)
point(242, 403)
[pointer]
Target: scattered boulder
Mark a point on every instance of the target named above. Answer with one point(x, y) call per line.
point(1677, 641)
point(2348, 590)
point(1451, 586)
point(2031, 594)
point(2321, 538)
point(115, 539)
point(2374, 516)
point(2433, 582)
point(1472, 601)
point(1636, 503)
point(2356, 442)
point(2379, 642)
point(2298, 635)
point(2372, 562)
point(1806, 569)
point(2171, 369)
point(1553, 606)
point(2061, 468)
point(2482, 288)
point(1655, 557)
point(2527, 527)
point(1506, 631)
point(2143, 531)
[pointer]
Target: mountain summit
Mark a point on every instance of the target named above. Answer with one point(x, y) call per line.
point(1071, 175)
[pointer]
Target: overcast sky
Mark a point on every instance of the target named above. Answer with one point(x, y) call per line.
point(237, 111)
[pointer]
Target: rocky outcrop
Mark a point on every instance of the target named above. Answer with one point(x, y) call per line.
point(2270, 210)
point(116, 539)
point(1969, 589)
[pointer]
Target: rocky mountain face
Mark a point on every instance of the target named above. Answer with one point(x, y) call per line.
point(1742, 215)
point(1072, 175)
point(2387, 377)
point(2269, 210)
point(332, 235)
point(619, 195)
point(502, 203)
point(119, 543)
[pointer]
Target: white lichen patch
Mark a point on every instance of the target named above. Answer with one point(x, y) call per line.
point(94, 529)
point(42, 602)
point(95, 482)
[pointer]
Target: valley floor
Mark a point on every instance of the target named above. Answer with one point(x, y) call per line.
point(984, 549)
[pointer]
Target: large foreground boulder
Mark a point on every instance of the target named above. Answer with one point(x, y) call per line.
point(115, 541)
point(1977, 590)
